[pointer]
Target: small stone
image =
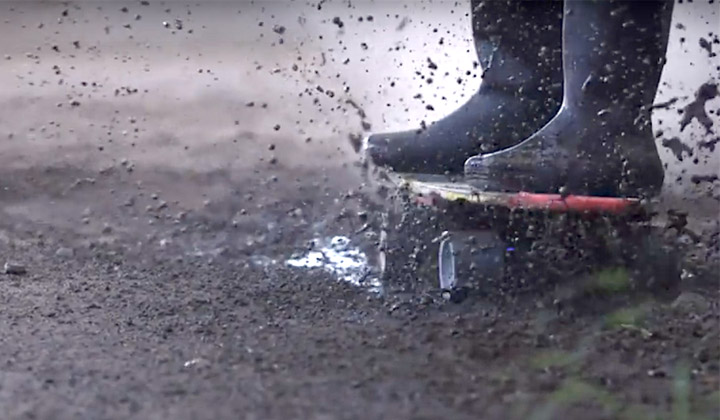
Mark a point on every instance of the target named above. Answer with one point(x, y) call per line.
point(14, 268)
point(65, 252)
point(691, 302)
point(107, 229)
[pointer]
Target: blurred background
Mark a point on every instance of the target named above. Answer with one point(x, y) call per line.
point(211, 84)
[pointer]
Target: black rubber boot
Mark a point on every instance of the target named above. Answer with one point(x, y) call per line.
point(601, 141)
point(518, 44)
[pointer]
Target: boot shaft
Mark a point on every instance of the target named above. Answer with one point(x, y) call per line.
point(519, 44)
point(613, 53)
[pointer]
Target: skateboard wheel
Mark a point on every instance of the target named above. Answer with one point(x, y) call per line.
point(466, 258)
point(455, 295)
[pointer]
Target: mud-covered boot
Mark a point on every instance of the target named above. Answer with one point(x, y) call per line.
point(518, 44)
point(601, 141)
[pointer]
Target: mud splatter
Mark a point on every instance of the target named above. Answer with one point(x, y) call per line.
point(403, 23)
point(361, 113)
point(337, 256)
point(706, 45)
point(709, 144)
point(677, 147)
point(356, 141)
point(696, 109)
point(698, 179)
point(665, 105)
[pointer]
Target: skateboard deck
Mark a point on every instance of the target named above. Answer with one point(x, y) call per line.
point(432, 189)
point(481, 247)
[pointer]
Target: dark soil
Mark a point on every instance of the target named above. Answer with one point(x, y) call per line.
point(191, 328)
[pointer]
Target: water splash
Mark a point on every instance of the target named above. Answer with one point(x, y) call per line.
point(337, 256)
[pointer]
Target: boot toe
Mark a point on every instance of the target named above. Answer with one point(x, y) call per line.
point(400, 151)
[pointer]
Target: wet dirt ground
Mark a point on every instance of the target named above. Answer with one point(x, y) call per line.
point(154, 229)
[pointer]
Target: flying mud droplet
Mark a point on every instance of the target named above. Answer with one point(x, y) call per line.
point(709, 144)
point(356, 141)
point(707, 46)
point(337, 256)
point(677, 147)
point(403, 23)
point(338, 22)
point(696, 108)
point(665, 105)
point(698, 179)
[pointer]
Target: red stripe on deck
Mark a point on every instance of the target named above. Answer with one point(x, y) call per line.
point(555, 202)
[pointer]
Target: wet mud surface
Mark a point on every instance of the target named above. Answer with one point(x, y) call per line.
point(167, 250)
point(181, 318)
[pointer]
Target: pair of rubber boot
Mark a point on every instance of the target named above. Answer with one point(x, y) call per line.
point(564, 104)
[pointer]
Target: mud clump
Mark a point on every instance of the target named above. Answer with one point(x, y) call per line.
point(699, 179)
point(709, 144)
point(696, 109)
point(677, 147)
